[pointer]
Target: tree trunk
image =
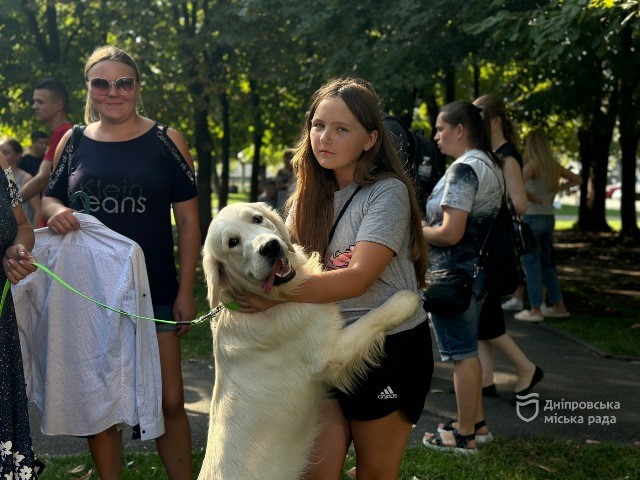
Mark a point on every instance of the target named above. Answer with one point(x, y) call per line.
point(203, 145)
point(629, 135)
point(594, 155)
point(433, 109)
point(629, 147)
point(450, 84)
point(256, 172)
point(223, 194)
point(476, 79)
point(406, 114)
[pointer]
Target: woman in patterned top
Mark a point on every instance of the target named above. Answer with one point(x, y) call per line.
point(16, 240)
point(460, 211)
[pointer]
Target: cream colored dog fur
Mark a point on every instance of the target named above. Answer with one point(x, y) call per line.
point(272, 368)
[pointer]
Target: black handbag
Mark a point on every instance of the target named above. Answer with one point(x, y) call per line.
point(525, 239)
point(448, 292)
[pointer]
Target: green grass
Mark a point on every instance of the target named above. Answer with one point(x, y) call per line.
point(568, 209)
point(602, 320)
point(500, 460)
point(612, 335)
point(198, 342)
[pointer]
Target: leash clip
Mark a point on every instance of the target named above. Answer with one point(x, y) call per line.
point(208, 316)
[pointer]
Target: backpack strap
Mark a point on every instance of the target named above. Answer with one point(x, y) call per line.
point(63, 169)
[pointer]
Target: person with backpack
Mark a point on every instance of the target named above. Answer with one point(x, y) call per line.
point(135, 173)
point(460, 212)
point(423, 162)
point(492, 333)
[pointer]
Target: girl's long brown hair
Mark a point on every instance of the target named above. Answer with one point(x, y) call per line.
point(311, 205)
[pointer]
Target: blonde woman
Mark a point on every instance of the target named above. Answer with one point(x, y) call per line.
point(120, 150)
point(542, 175)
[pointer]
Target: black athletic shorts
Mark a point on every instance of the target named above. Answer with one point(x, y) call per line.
point(401, 382)
point(491, 324)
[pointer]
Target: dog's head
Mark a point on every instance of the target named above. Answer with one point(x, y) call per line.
point(249, 248)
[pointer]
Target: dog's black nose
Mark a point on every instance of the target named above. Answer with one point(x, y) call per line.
point(271, 249)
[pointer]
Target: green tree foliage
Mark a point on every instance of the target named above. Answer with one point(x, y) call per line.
point(578, 65)
point(236, 75)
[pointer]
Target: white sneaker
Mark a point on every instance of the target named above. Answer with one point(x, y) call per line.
point(513, 304)
point(527, 316)
point(554, 313)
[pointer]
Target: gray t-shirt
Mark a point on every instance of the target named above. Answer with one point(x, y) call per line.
point(379, 213)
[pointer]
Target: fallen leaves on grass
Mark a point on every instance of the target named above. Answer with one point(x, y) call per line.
point(547, 469)
point(87, 476)
point(77, 469)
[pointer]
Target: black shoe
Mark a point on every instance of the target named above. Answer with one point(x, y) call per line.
point(489, 391)
point(537, 376)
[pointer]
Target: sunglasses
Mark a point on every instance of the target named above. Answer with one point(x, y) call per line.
point(102, 86)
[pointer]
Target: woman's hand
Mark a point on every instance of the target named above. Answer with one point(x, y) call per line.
point(64, 221)
point(250, 303)
point(184, 310)
point(16, 263)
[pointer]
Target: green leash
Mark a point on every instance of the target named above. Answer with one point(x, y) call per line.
point(5, 291)
point(212, 314)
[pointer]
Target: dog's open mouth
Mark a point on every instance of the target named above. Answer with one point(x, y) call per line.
point(281, 273)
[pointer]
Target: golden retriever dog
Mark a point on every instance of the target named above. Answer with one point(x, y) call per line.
point(273, 368)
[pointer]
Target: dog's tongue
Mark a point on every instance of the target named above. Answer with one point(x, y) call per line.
point(267, 285)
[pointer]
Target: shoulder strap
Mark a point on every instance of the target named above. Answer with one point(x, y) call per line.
point(173, 151)
point(482, 255)
point(64, 164)
point(335, 224)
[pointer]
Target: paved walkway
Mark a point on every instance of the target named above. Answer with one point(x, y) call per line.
point(574, 377)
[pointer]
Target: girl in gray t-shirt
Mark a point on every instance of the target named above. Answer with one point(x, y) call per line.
point(346, 157)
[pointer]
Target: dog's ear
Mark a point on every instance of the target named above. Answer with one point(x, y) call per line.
point(277, 220)
point(210, 266)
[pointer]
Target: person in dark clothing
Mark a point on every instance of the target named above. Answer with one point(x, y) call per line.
point(30, 161)
point(136, 172)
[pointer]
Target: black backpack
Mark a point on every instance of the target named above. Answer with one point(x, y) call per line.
point(507, 240)
point(425, 164)
point(499, 255)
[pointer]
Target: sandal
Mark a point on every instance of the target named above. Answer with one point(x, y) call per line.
point(486, 438)
point(461, 444)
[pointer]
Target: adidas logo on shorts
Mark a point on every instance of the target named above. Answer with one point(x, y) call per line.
point(386, 394)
